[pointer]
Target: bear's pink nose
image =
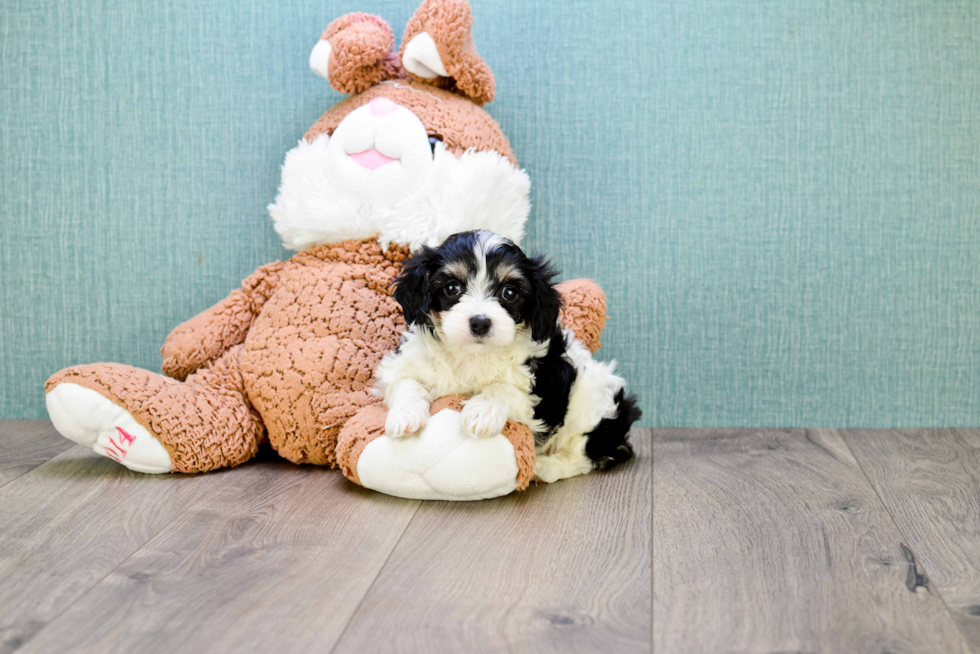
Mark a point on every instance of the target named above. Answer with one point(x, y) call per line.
point(382, 106)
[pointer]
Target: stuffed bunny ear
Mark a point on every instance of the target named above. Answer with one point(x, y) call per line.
point(438, 49)
point(355, 52)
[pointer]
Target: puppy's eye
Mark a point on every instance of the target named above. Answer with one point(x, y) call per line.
point(432, 143)
point(508, 293)
point(453, 289)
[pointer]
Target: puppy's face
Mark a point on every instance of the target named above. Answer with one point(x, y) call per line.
point(478, 289)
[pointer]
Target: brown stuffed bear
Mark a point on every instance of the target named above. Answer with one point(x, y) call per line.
point(407, 160)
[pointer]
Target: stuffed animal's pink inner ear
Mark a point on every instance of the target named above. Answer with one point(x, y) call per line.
point(421, 58)
point(320, 59)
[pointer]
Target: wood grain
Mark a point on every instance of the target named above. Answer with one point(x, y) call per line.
point(930, 481)
point(26, 444)
point(764, 541)
point(774, 540)
point(68, 522)
point(275, 559)
point(558, 568)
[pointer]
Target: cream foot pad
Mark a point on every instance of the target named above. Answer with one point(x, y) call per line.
point(441, 462)
point(82, 415)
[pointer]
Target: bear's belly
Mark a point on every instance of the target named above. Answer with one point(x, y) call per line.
point(309, 357)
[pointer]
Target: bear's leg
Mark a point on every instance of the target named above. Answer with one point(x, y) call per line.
point(151, 423)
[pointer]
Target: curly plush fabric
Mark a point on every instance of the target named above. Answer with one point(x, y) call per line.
point(584, 310)
point(207, 335)
point(364, 427)
point(313, 348)
point(361, 52)
point(448, 22)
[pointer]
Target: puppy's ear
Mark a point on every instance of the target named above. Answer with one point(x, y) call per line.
point(411, 286)
point(545, 305)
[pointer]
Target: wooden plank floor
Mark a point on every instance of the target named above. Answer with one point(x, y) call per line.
point(711, 541)
point(774, 541)
point(275, 557)
point(930, 479)
point(26, 444)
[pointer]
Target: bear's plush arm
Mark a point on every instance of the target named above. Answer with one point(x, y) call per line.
point(210, 333)
point(584, 310)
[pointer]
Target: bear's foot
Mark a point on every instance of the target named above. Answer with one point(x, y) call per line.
point(86, 417)
point(441, 462)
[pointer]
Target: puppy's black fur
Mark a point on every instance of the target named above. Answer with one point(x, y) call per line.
point(411, 286)
point(553, 379)
point(421, 290)
point(608, 444)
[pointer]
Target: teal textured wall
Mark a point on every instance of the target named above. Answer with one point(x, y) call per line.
point(782, 198)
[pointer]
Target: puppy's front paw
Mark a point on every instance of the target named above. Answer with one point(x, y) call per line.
point(547, 469)
point(483, 418)
point(406, 419)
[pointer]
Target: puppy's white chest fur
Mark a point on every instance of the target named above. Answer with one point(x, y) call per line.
point(466, 370)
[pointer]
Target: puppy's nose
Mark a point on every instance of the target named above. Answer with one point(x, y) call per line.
point(480, 325)
point(382, 106)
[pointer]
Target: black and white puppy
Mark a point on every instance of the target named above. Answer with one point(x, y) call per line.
point(483, 322)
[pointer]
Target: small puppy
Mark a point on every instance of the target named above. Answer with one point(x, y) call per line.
point(483, 322)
